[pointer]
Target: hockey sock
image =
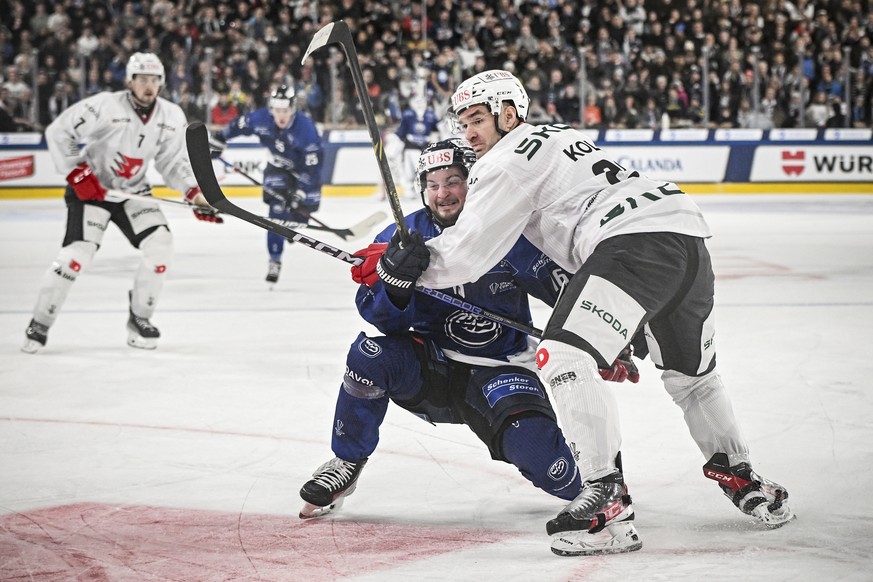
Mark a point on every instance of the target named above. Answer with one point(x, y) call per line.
point(708, 414)
point(157, 253)
point(537, 447)
point(585, 405)
point(356, 425)
point(57, 281)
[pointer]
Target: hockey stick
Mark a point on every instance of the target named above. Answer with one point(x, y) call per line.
point(149, 197)
point(201, 162)
point(338, 33)
point(129, 196)
point(353, 232)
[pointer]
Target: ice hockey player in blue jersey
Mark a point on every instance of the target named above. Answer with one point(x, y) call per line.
point(417, 123)
point(445, 364)
point(292, 178)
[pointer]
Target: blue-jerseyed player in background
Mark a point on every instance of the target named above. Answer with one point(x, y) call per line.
point(292, 178)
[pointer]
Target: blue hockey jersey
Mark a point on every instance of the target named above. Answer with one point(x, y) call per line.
point(296, 149)
point(415, 131)
point(503, 290)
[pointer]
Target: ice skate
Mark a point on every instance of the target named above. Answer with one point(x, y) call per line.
point(141, 333)
point(331, 484)
point(598, 521)
point(752, 494)
point(36, 336)
point(273, 271)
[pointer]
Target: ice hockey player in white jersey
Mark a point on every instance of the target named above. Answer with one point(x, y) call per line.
point(637, 249)
point(121, 133)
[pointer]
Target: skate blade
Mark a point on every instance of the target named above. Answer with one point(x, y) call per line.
point(773, 519)
point(617, 538)
point(310, 511)
point(31, 346)
point(135, 340)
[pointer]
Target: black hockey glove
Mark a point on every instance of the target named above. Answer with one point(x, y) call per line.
point(401, 265)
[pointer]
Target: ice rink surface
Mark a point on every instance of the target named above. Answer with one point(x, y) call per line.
point(184, 463)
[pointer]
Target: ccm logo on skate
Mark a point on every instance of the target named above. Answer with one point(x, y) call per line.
point(542, 357)
point(719, 476)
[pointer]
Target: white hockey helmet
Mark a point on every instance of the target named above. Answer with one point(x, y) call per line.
point(443, 154)
point(492, 88)
point(144, 64)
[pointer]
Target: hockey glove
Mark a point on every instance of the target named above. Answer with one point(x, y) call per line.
point(85, 184)
point(401, 265)
point(623, 368)
point(302, 205)
point(365, 273)
point(217, 144)
point(202, 209)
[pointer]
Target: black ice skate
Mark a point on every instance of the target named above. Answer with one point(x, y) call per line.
point(752, 494)
point(36, 336)
point(273, 271)
point(141, 333)
point(598, 521)
point(330, 485)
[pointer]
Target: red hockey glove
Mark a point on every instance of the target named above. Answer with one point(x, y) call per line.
point(85, 183)
point(623, 368)
point(365, 273)
point(201, 208)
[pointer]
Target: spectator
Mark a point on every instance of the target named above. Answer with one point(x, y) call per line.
point(818, 112)
point(224, 111)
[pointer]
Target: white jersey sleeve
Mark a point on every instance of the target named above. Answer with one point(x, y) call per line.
point(558, 188)
point(118, 145)
point(488, 227)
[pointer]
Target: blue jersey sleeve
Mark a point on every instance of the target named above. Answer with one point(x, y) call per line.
point(502, 290)
point(536, 273)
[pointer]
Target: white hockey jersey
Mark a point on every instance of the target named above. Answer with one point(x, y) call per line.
point(117, 144)
point(561, 191)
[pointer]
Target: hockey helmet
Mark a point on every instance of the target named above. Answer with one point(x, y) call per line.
point(283, 97)
point(491, 88)
point(443, 154)
point(144, 64)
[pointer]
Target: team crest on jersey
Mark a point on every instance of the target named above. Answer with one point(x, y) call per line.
point(370, 348)
point(559, 469)
point(471, 330)
point(126, 167)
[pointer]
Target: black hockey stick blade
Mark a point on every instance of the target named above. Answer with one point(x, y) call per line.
point(338, 33)
point(197, 138)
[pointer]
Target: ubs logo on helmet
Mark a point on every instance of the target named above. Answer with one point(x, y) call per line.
point(441, 157)
point(461, 96)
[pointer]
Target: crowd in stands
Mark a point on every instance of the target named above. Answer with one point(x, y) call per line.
point(638, 63)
